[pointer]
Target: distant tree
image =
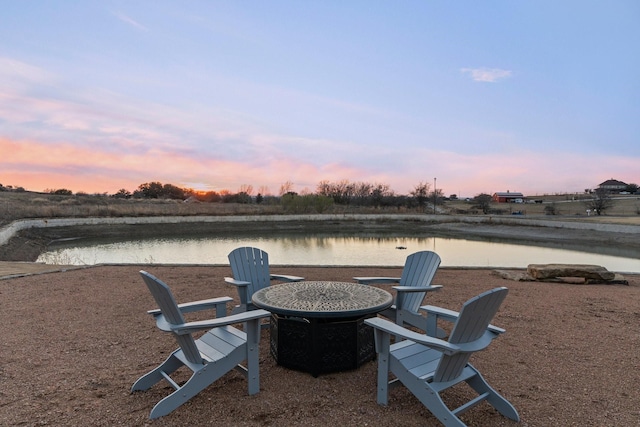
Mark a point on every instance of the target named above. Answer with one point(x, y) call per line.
point(149, 190)
point(341, 192)
point(241, 197)
point(170, 191)
point(246, 188)
point(264, 190)
point(421, 193)
point(122, 194)
point(61, 192)
point(632, 188)
point(285, 187)
point(600, 202)
point(380, 195)
point(483, 202)
point(437, 196)
point(209, 196)
point(362, 192)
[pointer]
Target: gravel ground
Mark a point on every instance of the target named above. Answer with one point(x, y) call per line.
point(75, 341)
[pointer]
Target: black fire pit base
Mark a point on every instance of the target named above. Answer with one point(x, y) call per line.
point(321, 346)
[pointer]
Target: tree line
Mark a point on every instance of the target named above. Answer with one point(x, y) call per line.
point(327, 194)
point(341, 192)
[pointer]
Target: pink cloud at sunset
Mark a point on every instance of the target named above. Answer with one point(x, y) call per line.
point(394, 94)
point(39, 166)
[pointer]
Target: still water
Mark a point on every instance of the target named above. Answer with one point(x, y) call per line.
point(315, 250)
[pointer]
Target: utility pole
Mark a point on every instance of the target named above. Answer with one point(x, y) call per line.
point(435, 196)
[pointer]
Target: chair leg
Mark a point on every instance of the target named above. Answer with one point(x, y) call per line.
point(192, 387)
point(433, 402)
point(252, 329)
point(200, 380)
point(383, 340)
point(502, 405)
point(170, 365)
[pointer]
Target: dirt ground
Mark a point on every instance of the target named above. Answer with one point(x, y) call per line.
point(75, 341)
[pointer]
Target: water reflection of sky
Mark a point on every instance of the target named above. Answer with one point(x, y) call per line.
point(351, 251)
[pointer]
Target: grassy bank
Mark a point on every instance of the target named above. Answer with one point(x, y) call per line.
point(22, 205)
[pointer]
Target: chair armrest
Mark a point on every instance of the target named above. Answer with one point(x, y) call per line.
point(417, 288)
point(189, 327)
point(190, 307)
point(431, 342)
point(452, 316)
point(370, 280)
point(443, 313)
point(232, 281)
point(398, 331)
point(286, 278)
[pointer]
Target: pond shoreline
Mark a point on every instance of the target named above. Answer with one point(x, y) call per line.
point(28, 243)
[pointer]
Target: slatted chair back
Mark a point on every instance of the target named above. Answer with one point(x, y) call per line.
point(419, 269)
point(250, 265)
point(475, 316)
point(169, 308)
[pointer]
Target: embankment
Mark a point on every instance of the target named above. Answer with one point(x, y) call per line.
point(24, 240)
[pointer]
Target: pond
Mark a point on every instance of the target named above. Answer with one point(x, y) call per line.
point(324, 250)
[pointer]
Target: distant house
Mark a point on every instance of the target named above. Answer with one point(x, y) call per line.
point(507, 197)
point(613, 185)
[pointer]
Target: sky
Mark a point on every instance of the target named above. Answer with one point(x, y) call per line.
point(538, 97)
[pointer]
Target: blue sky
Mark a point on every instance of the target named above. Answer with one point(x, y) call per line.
point(530, 96)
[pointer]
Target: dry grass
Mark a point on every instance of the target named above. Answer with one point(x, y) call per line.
point(565, 206)
point(15, 206)
point(21, 205)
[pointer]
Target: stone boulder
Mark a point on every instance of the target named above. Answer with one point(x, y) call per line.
point(553, 271)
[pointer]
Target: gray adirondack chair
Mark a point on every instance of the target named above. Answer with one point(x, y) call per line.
point(250, 268)
point(417, 274)
point(215, 353)
point(428, 365)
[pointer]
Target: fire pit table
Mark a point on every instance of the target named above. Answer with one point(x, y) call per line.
point(318, 327)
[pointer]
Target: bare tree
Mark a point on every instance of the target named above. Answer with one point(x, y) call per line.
point(600, 202)
point(436, 195)
point(286, 188)
point(379, 192)
point(341, 192)
point(246, 188)
point(362, 190)
point(421, 193)
point(264, 190)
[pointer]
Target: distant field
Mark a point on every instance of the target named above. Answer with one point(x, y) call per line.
point(623, 206)
point(20, 205)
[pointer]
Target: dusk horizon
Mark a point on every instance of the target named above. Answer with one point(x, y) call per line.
point(529, 97)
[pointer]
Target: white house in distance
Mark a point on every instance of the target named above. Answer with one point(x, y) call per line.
point(613, 185)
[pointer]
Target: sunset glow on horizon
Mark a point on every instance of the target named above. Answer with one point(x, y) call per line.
point(532, 97)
